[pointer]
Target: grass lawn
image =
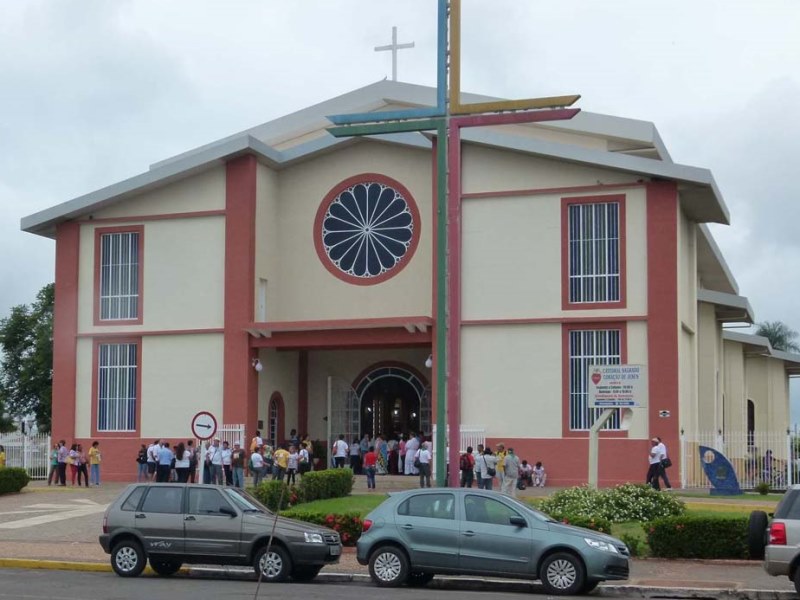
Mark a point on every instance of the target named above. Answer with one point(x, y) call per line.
point(746, 497)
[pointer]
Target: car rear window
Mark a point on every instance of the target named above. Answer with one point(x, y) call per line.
point(163, 499)
point(132, 501)
point(433, 506)
point(789, 506)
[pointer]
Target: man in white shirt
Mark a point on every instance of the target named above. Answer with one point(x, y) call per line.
point(152, 458)
point(655, 457)
point(340, 452)
point(214, 461)
point(424, 456)
point(663, 449)
point(226, 463)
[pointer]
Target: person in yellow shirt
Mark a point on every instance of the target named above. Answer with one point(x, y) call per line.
point(94, 463)
point(281, 458)
point(2, 457)
point(501, 457)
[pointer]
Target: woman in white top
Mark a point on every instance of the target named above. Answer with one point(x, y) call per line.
point(183, 458)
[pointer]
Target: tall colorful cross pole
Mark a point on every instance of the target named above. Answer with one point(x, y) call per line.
point(446, 119)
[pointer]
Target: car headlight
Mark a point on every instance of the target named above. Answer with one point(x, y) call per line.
point(598, 545)
point(314, 538)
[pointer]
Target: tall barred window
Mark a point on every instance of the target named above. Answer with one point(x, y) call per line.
point(117, 387)
point(119, 276)
point(594, 252)
point(590, 347)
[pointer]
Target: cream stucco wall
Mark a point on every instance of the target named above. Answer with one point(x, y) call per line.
point(512, 257)
point(200, 192)
point(181, 375)
point(490, 170)
point(83, 388)
point(304, 281)
point(735, 405)
point(268, 235)
point(767, 387)
point(530, 360)
point(184, 262)
point(709, 368)
point(345, 366)
point(279, 375)
point(687, 322)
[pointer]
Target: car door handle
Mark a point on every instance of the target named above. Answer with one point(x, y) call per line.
point(407, 526)
point(141, 516)
point(189, 518)
point(468, 533)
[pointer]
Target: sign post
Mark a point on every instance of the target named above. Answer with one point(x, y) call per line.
point(612, 388)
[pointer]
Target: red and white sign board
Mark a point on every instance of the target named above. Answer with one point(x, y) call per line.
point(617, 386)
point(204, 425)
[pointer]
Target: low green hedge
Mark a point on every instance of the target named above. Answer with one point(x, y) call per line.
point(596, 523)
point(317, 485)
point(13, 479)
point(697, 537)
point(347, 524)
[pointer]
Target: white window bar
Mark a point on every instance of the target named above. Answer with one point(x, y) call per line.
point(593, 246)
point(116, 387)
point(119, 276)
point(589, 347)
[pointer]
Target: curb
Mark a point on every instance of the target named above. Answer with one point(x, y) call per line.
point(610, 590)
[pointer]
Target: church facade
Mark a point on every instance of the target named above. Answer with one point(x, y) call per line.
point(284, 279)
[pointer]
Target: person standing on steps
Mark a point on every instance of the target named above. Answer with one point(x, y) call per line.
point(466, 465)
point(370, 458)
point(510, 473)
point(339, 452)
point(424, 458)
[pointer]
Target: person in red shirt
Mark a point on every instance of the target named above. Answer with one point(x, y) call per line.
point(370, 458)
point(466, 465)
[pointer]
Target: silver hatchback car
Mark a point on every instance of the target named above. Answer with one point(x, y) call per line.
point(176, 523)
point(417, 534)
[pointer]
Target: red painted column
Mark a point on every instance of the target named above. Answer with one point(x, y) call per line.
point(302, 392)
point(240, 380)
point(65, 330)
point(454, 300)
point(662, 314)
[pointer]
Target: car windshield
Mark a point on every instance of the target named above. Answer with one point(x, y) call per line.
point(524, 506)
point(245, 501)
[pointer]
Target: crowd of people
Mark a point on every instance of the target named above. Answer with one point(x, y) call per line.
point(82, 466)
point(482, 466)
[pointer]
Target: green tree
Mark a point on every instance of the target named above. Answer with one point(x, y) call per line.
point(26, 360)
point(780, 335)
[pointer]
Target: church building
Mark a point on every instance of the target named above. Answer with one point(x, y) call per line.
point(281, 278)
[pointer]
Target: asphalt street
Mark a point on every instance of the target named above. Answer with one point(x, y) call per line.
point(19, 584)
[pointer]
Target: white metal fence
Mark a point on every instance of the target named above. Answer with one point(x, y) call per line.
point(225, 433)
point(31, 452)
point(756, 457)
point(470, 436)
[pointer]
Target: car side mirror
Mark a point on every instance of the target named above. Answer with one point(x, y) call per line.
point(227, 510)
point(518, 521)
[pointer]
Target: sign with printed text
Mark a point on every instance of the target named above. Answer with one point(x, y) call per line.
point(204, 425)
point(617, 386)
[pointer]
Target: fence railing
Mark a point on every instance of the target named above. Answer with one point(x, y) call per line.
point(756, 457)
point(31, 452)
point(470, 436)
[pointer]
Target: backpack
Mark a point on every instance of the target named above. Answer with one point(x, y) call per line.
point(463, 462)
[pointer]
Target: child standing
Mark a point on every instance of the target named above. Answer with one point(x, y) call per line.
point(370, 458)
point(291, 465)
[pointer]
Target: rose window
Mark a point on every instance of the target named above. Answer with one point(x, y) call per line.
point(367, 229)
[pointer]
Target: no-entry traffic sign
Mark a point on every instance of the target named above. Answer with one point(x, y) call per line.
point(204, 425)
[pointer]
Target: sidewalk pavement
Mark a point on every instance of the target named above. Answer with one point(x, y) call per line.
point(57, 528)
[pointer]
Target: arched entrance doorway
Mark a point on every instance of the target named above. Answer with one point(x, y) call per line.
point(393, 398)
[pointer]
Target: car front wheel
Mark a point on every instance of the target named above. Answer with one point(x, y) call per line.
point(273, 566)
point(562, 574)
point(388, 566)
point(128, 559)
point(165, 567)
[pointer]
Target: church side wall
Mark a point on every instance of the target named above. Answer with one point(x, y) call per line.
point(687, 321)
point(268, 244)
point(279, 375)
point(708, 368)
point(735, 406)
point(302, 189)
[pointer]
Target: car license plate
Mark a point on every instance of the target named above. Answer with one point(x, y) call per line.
point(336, 550)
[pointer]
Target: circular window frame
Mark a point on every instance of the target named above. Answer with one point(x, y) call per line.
point(323, 209)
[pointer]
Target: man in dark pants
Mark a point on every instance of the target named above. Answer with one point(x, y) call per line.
point(62, 463)
point(655, 470)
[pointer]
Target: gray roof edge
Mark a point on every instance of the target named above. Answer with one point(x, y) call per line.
point(43, 220)
point(747, 338)
point(725, 299)
point(787, 356)
point(624, 162)
point(709, 237)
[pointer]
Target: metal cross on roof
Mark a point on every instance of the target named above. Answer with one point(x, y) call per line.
point(394, 47)
point(446, 119)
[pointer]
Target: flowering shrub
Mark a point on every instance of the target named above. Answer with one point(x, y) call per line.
point(347, 524)
point(628, 502)
point(595, 523)
point(698, 537)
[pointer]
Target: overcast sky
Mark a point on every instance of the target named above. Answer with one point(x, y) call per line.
point(93, 91)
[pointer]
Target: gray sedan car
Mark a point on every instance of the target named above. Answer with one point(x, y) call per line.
point(416, 534)
point(176, 523)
